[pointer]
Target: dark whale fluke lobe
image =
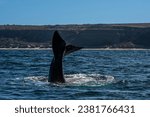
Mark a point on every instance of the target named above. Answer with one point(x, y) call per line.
point(60, 49)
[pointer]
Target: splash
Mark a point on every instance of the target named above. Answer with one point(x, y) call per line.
point(76, 80)
point(36, 80)
point(89, 79)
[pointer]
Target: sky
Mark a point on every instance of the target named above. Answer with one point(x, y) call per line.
point(52, 12)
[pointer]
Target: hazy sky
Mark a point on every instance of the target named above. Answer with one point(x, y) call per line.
point(74, 11)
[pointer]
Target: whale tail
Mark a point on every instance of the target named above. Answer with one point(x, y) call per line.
point(60, 49)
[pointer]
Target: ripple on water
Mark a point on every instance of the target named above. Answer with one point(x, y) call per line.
point(23, 75)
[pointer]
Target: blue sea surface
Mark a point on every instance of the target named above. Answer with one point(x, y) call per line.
point(89, 74)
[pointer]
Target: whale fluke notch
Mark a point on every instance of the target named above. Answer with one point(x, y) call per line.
point(60, 49)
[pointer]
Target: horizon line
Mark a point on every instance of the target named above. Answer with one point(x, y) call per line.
point(79, 24)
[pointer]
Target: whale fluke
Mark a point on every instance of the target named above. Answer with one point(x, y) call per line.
point(60, 49)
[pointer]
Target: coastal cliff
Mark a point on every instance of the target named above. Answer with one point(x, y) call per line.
point(87, 35)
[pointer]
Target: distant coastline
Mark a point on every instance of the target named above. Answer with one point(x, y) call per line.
point(91, 36)
point(90, 49)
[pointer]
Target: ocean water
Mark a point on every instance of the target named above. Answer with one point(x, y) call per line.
point(89, 74)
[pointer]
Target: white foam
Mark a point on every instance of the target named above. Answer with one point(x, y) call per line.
point(77, 79)
point(36, 80)
point(89, 79)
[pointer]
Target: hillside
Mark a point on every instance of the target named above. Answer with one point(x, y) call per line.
point(87, 35)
